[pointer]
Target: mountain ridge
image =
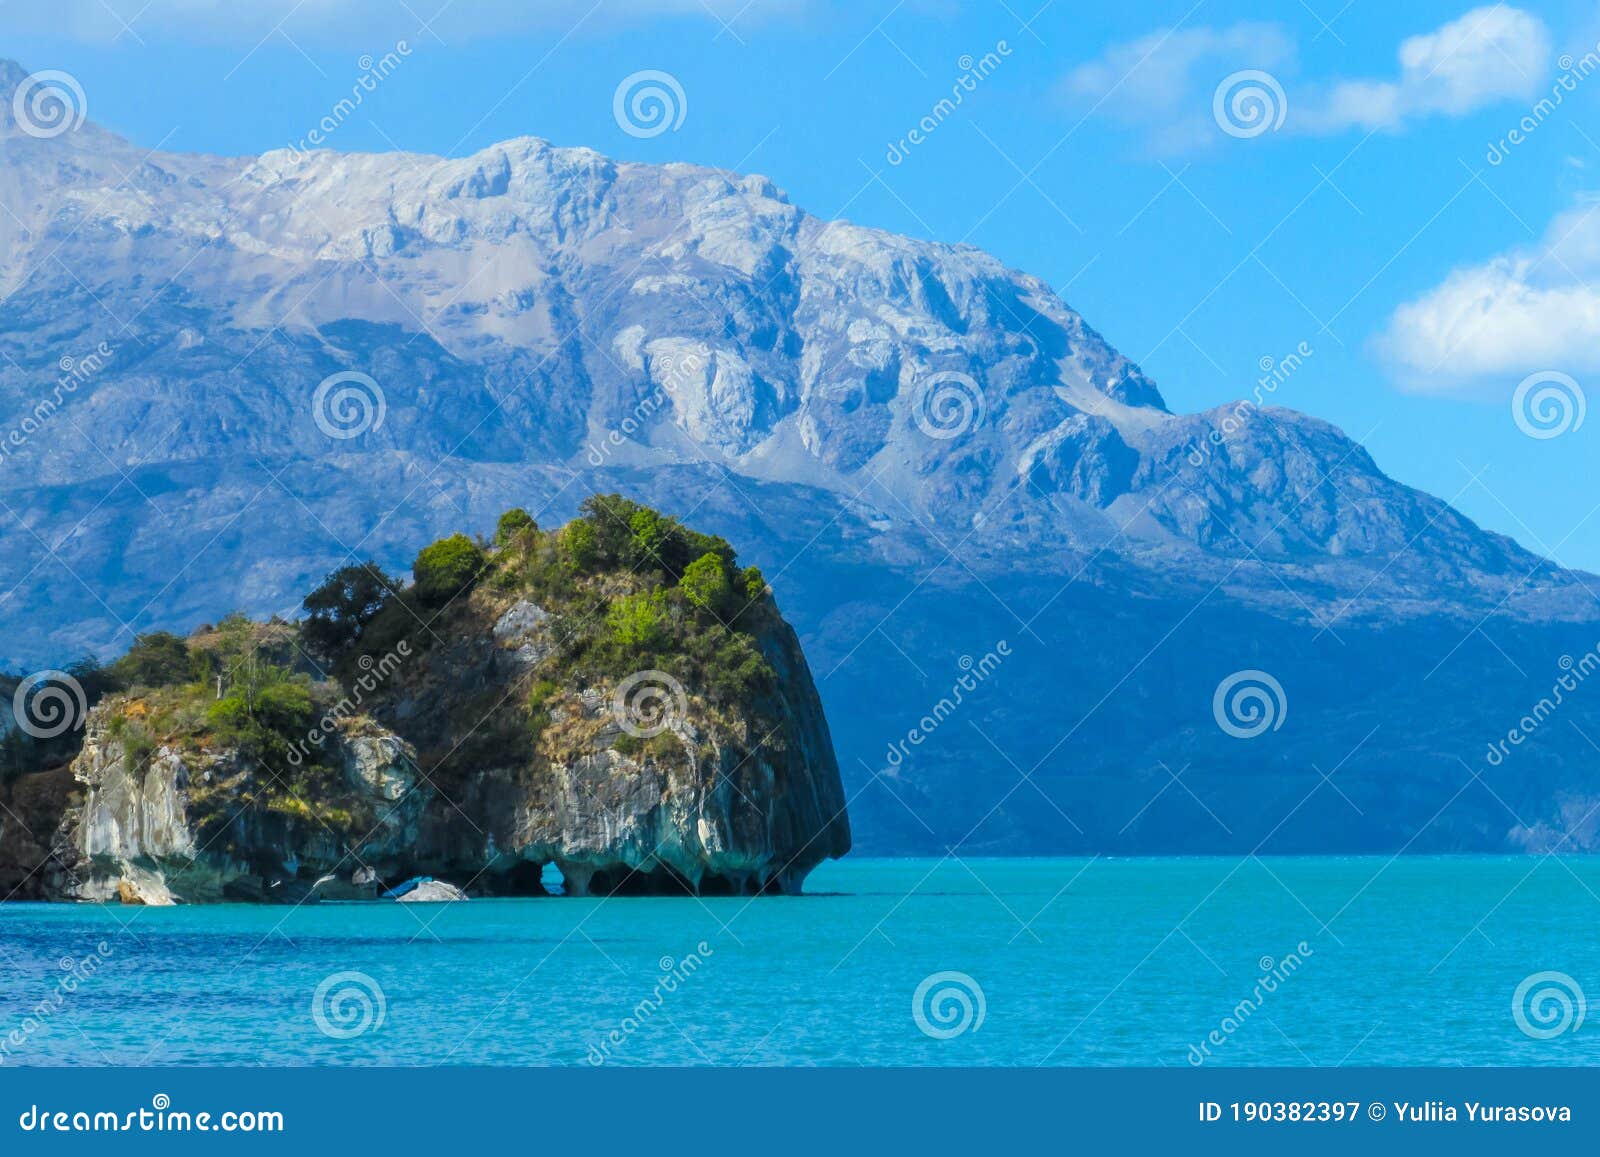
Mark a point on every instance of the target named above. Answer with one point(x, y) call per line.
point(886, 421)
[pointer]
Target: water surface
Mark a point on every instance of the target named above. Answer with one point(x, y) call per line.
point(1079, 962)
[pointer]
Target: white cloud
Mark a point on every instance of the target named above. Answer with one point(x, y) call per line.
point(1164, 83)
point(1488, 55)
point(1535, 308)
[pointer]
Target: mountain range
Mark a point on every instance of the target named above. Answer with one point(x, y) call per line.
point(1046, 613)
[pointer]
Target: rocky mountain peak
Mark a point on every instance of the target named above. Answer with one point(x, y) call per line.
point(533, 310)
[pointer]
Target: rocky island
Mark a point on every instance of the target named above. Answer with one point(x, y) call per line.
point(616, 698)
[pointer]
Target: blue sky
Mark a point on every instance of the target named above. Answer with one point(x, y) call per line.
point(1385, 219)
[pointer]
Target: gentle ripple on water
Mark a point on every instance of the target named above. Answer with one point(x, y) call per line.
point(1102, 962)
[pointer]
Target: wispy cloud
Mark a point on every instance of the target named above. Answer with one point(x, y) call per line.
point(1166, 84)
point(1488, 55)
point(1490, 324)
point(1162, 82)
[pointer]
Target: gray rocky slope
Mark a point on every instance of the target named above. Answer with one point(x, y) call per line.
point(926, 451)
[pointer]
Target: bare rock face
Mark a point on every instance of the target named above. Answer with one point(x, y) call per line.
point(519, 631)
point(705, 798)
point(891, 409)
point(740, 332)
point(183, 823)
point(133, 812)
point(497, 737)
point(709, 804)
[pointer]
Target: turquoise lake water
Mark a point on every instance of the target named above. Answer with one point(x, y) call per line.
point(1079, 962)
